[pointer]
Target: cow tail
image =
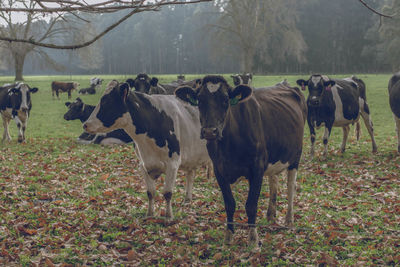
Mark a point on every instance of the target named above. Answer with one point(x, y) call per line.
point(358, 130)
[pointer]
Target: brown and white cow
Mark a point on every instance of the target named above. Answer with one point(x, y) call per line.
point(60, 87)
point(250, 133)
point(394, 101)
point(15, 103)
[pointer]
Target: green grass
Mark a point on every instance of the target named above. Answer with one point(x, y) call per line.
point(84, 204)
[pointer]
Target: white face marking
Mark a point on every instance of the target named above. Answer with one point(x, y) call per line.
point(213, 87)
point(315, 80)
point(24, 91)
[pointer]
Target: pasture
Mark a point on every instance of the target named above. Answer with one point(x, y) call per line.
point(69, 204)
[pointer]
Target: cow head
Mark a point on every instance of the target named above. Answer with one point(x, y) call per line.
point(214, 98)
point(141, 83)
point(242, 78)
point(20, 97)
point(75, 110)
point(111, 112)
point(318, 85)
point(76, 85)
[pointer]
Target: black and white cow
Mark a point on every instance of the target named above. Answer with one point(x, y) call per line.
point(96, 81)
point(144, 84)
point(89, 90)
point(78, 110)
point(15, 103)
point(394, 101)
point(335, 103)
point(245, 78)
point(250, 133)
point(165, 131)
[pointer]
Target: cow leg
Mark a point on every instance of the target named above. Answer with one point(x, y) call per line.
point(189, 185)
point(230, 206)
point(370, 127)
point(69, 94)
point(312, 138)
point(273, 192)
point(6, 134)
point(397, 120)
point(346, 130)
point(151, 190)
point(358, 130)
point(209, 167)
point(21, 125)
point(169, 184)
point(57, 94)
point(251, 207)
point(327, 133)
point(291, 187)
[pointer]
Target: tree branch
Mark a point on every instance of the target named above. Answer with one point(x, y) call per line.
point(103, 7)
point(374, 11)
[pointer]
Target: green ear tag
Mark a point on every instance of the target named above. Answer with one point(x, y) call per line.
point(193, 101)
point(235, 100)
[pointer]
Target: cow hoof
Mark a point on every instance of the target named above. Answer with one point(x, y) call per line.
point(289, 222)
point(253, 237)
point(228, 237)
point(375, 149)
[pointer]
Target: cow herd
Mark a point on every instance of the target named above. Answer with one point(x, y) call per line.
point(242, 131)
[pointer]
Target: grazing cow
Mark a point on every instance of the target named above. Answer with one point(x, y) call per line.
point(394, 101)
point(78, 110)
point(59, 87)
point(165, 132)
point(90, 90)
point(15, 103)
point(335, 103)
point(245, 78)
point(250, 133)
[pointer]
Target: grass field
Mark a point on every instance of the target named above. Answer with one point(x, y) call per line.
point(66, 204)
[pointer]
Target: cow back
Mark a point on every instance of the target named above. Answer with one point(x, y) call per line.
point(394, 94)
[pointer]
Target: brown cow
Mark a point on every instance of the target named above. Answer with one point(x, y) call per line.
point(63, 87)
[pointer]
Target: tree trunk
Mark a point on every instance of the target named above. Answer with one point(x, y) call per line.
point(19, 60)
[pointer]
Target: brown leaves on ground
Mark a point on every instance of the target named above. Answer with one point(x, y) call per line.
point(66, 205)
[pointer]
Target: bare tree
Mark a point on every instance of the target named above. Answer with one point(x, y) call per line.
point(76, 7)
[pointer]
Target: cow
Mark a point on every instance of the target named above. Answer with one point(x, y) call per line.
point(394, 101)
point(16, 103)
point(59, 87)
point(96, 81)
point(144, 84)
point(250, 133)
point(245, 78)
point(78, 110)
point(335, 103)
point(90, 90)
point(165, 132)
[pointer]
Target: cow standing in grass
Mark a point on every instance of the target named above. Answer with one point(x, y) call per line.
point(394, 101)
point(335, 103)
point(60, 87)
point(165, 131)
point(250, 133)
point(15, 103)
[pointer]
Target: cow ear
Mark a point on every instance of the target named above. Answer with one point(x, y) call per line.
point(124, 91)
point(239, 94)
point(302, 83)
point(154, 81)
point(67, 104)
point(329, 83)
point(33, 90)
point(131, 82)
point(198, 83)
point(78, 99)
point(187, 94)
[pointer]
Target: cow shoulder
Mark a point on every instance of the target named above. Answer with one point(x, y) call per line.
point(150, 117)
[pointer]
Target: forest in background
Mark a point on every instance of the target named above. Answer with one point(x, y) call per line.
point(228, 36)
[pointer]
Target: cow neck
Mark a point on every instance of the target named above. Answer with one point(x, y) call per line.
point(88, 109)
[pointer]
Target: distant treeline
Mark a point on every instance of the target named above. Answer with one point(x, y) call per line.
point(340, 36)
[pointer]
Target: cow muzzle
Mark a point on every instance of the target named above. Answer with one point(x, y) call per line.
point(209, 133)
point(314, 101)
